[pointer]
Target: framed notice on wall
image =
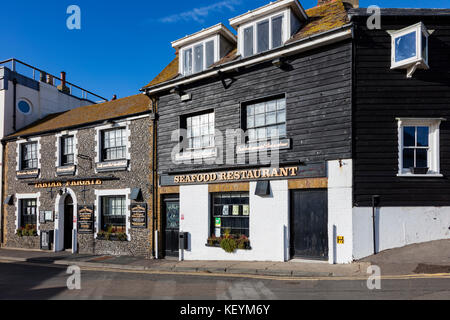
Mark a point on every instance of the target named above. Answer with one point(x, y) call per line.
point(85, 219)
point(138, 218)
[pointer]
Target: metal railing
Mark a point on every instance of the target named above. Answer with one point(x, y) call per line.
point(43, 76)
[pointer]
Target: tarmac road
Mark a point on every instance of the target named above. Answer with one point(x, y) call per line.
point(49, 282)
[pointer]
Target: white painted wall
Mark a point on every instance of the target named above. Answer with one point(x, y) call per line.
point(398, 227)
point(340, 203)
point(269, 225)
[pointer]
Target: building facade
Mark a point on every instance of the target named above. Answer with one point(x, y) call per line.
point(292, 94)
point(355, 115)
point(401, 130)
point(81, 181)
point(28, 94)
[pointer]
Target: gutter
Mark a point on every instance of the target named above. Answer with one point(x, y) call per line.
point(335, 35)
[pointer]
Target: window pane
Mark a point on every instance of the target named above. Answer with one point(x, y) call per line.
point(271, 106)
point(259, 108)
point(209, 53)
point(408, 158)
point(260, 120)
point(405, 47)
point(248, 42)
point(409, 136)
point(422, 136)
point(187, 62)
point(422, 158)
point(198, 56)
point(271, 118)
point(263, 36)
point(250, 122)
point(277, 32)
point(281, 116)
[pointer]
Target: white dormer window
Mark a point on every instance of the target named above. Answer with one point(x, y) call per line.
point(410, 48)
point(201, 50)
point(199, 56)
point(263, 35)
point(268, 27)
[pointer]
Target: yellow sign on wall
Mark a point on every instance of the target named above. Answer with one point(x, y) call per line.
point(340, 240)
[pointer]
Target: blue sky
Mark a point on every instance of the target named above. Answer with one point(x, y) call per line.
point(122, 45)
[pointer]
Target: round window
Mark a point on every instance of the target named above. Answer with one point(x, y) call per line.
point(24, 107)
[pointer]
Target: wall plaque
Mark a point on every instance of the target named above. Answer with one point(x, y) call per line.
point(85, 219)
point(138, 217)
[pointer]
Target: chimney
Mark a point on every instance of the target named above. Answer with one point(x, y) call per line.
point(114, 98)
point(50, 79)
point(63, 87)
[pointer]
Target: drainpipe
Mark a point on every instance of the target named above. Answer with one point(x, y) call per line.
point(375, 203)
point(155, 233)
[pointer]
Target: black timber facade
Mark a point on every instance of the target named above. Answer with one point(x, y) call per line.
point(382, 95)
point(317, 86)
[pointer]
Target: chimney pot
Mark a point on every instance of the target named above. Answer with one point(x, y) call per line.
point(63, 87)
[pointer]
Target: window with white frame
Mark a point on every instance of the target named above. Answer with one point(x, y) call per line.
point(198, 56)
point(419, 147)
point(114, 144)
point(29, 156)
point(263, 35)
point(410, 46)
point(200, 131)
point(266, 120)
point(67, 150)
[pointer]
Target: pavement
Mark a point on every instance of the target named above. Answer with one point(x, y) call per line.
point(426, 258)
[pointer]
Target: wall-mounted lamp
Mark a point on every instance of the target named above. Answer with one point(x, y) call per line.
point(9, 200)
point(177, 90)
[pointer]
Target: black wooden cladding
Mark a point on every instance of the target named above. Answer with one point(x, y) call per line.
point(381, 96)
point(318, 105)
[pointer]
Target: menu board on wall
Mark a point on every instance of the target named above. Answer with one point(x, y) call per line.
point(85, 219)
point(138, 217)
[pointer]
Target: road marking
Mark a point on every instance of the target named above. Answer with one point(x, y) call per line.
point(245, 276)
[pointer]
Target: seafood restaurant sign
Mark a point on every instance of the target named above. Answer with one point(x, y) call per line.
point(316, 170)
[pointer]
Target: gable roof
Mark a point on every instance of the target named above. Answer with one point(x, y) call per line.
point(82, 116)
point(326, 17)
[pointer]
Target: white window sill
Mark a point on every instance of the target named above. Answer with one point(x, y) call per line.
point(409, 175)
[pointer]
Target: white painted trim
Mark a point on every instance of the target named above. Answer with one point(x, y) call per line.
point(434, 143)
point(267, 10)
point(98, 146)
point(284, 36)
point(203, 42)
point(22, 196)
point(114, 192)
point(209, 32)
point(58, 239)
point(19, 151)
point(301, 47)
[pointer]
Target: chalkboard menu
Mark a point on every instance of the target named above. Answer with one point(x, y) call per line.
point(85, 219)
point(139, 215)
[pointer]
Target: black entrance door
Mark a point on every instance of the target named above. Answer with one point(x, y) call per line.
point(68, 222)
point(309, 224)
point(171, 226)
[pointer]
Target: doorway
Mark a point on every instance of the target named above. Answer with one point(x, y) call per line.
point(309, 224)
point(68, 222)
point(171, 226)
